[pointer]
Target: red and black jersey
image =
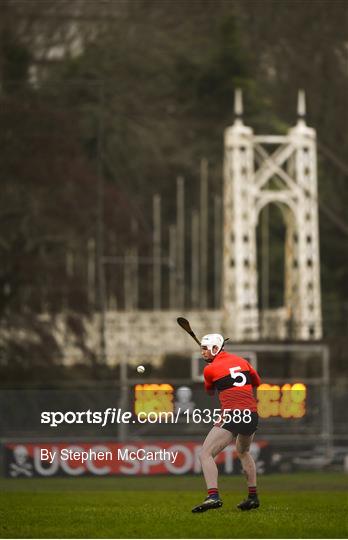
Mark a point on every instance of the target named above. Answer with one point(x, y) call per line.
point(233, 377)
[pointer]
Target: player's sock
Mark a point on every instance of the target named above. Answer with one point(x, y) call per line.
point(213, 493)
point(252, 492)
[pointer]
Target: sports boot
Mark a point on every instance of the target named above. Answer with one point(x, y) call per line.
point(208, 504)
point(249, 503)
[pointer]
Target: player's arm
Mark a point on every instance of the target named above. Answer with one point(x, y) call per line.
point(208, 381)
point(255, 377)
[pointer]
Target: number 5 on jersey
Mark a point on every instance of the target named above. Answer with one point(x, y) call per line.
point(235, 375)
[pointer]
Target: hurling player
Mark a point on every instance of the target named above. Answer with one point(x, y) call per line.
point(234, 379)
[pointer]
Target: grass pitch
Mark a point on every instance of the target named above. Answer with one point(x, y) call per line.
point(306, 505)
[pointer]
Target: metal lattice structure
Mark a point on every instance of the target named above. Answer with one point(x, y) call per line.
point(259, 170)
point(253, 178)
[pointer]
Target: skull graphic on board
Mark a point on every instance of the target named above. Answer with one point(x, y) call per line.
point(21, 466)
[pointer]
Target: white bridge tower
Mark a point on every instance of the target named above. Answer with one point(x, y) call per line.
point(260, 170)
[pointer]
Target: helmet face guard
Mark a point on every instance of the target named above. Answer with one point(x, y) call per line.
point(213, 340)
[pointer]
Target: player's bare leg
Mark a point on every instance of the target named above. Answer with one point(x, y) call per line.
point(243, 443)
point(216, 440)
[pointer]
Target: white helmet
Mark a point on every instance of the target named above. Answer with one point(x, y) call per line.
point(212, 340)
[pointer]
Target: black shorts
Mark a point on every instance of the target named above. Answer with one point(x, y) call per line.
point(244, 427)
